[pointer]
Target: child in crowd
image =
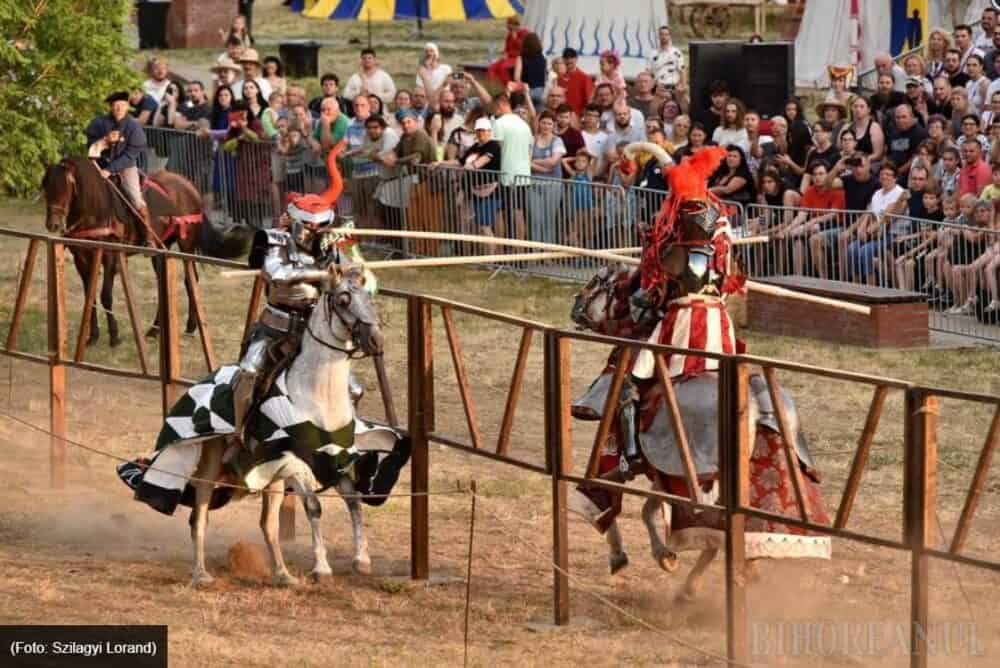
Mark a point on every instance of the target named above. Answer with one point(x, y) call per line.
point(611, 73)
point(992, 191)
point(294, 148)
point(580, 168)
point(965, 259)
point(238, 29)
point(908, 265)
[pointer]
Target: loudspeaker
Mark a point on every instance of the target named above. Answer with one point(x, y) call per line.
point(710, 62)
point(769, 76)
point(761, 75)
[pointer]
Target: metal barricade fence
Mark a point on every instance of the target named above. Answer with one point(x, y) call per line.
point(442, 198)
point(243, 181)
point(955, 266)
point(247, 181)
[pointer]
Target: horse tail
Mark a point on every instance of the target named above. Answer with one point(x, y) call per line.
point(223, 241)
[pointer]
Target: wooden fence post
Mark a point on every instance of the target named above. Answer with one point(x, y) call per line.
point(57, 372)
point(919, 511)
point(170, 358)
point(734, 450)
point(559, 447)
point(420, 389)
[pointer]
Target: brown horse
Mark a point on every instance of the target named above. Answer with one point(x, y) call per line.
point(80, 204)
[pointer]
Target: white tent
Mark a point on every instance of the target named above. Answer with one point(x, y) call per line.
point(591, 26)
point(828, 36)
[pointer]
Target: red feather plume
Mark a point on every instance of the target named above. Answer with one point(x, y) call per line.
point(689, 179)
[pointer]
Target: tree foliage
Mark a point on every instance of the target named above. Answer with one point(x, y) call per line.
point(59, 59)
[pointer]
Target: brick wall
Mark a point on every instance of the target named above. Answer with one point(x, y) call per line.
point(196, 23)
point(888, 326)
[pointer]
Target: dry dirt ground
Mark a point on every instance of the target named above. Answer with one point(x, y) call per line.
point(89, 554)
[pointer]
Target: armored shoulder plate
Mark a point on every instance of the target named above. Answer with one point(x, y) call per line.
point(263, 241)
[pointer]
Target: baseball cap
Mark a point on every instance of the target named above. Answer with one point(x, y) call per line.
point(483, 124)
point(914, 81)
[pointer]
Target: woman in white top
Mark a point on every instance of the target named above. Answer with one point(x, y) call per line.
point(872, 240)
point(977, 84)
point(432, 73)
point(732, 131)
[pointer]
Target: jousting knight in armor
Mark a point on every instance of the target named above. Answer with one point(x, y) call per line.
point(684, 274)
point(293, 258)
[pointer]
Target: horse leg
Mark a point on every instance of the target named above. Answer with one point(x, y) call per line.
point(272, 497)
point(310, 502)
point(617, 558)
point(107, 297)
point(209, 466)
point(154, 329)
point(651, 510)
point(81, 261)
point(695, 580)
point(192, 320)
point(362, 563)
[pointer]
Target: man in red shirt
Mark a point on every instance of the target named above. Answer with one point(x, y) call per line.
point(578, 85)
point(811, 220)
point(503, 68)
point(975, 173)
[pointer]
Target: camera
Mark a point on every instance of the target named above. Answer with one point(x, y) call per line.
point(853, 162)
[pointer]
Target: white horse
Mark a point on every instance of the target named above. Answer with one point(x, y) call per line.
point(343, 321)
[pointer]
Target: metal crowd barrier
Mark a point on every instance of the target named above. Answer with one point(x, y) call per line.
point(953, 265)
point(950, 264)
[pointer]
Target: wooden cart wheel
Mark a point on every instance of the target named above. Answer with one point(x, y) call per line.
point(717, 21)
point(696, 19)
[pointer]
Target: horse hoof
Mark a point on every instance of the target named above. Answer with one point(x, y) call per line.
point(320, 576)
point(93, 338)
point(362, 566)
point(190, 329)
point(285, 580)
point(667, 560)
point(201, 580)
point(617, 562)
point(152, 332)
point(115, 341)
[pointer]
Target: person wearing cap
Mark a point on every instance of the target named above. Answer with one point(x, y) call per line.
point(293, 258)
point(228, 73)
point(578, 85)
point(156, 85)
point(416, 147)
point(119, 140)
point(483, 156)
point(252, 69)
point(502, 69)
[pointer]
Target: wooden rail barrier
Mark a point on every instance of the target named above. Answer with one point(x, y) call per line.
point(918, 535)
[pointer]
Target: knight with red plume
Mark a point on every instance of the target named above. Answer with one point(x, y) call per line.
point(293, 259)
point(683, 276)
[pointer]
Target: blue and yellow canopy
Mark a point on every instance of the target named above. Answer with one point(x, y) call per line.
point(391, 10)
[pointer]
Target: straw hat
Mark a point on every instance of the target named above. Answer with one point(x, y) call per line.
point(836, 104)
point(250, 56)
point(227, 63)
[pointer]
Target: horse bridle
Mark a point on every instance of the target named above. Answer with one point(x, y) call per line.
point(59, 209)
point(353, 329)
point(605, 285)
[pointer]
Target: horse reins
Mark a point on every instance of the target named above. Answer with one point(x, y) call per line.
point(354, 353)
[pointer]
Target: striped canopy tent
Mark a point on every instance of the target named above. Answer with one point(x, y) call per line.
point(392, 10)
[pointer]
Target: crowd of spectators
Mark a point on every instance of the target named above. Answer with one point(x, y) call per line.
point(540, 136)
